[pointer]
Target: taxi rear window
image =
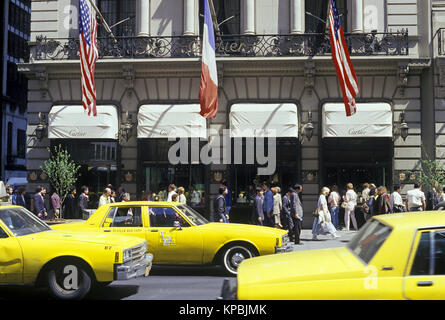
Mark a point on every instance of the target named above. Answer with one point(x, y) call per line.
point(369, 239)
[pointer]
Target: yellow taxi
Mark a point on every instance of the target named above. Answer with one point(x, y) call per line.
point(70, 263)
point(178, 235)
point(393, 256)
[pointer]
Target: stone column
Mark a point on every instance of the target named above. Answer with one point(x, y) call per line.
point(297, 15)
point(248, 14)
point(143, 18)
point(189, 17)
point(357, 16)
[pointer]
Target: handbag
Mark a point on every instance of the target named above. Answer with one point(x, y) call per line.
point(316, 212)
point(344, 204)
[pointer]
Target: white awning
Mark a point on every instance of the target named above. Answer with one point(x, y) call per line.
point(73, 122)
point(264, 120)
point(171, 120)
point(370, 120)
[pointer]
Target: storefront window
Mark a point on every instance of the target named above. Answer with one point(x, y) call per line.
point(245, 177)
point(97, 161)
point(158, 173)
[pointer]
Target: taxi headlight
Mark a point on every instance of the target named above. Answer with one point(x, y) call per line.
point(126, 256)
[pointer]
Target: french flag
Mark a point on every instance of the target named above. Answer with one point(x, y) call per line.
point(208, 92)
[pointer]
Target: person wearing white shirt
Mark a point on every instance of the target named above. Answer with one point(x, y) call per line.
point(334, 200)
point(351, 200)
point(415, 199)
point(396, 201)
point(442, 195)
point(182, 197)
point(171, 192)
point(106, 197)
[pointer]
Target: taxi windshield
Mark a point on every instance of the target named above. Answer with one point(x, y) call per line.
point(369, 239)
point(192, 215)
point(22, 222)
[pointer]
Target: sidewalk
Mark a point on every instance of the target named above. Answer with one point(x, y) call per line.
point(323, 242)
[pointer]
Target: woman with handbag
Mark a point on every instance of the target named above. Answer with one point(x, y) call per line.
point(322, 218)
point(351, 200)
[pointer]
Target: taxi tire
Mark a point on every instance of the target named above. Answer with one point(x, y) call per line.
point(228, 254)
point(84, 285)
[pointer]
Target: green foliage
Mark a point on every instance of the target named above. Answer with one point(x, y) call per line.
point(62, 172)
point(432, 173)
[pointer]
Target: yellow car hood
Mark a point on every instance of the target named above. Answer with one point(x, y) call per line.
point(85, 237)
point(311, 265)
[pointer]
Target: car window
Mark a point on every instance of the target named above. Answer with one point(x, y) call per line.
point(165, 217)
point(3, 234)
point(421, 264)
point(21, 222)
point(430, 254)
point(369, 239)
point(127, 217)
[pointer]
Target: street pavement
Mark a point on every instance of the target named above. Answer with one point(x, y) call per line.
point(174, 282)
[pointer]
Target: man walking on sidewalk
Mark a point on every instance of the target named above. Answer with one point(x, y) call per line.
point(297, 212)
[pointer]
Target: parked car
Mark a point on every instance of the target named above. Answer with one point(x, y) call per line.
point(395, 256)
point(68, 263)
point(178, 235)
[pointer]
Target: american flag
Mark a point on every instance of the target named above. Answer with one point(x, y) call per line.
point(88, 56)
point(342, 61)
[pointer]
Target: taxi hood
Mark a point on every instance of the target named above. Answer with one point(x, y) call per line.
point(321, 264)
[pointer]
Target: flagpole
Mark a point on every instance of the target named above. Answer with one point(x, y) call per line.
point(105, 24)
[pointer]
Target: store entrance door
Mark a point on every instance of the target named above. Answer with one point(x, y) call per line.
point(357, 160)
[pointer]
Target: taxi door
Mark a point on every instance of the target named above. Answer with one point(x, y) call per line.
point(170, 244)
point(425, 278)
point(11, 259)
point(126, 220)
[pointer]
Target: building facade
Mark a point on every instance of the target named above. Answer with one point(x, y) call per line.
point(15, 33)
point(274, 71)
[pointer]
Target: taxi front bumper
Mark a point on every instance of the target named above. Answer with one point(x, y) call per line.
point(133, 269)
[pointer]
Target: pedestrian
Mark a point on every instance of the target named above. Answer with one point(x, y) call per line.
point(334, 205)
point(277, 206)
point(171, 192)
point(258, 211)
point(113, 196)
point(322, 220)
point(297, 212)
point(286, 215)
point(268, 205)
point(431, 199)
point(120, 193)
point(39, 203)
point(181, 195)
point(20, 199)
point(70, 210)
point(351, 202)
point(371, 204)
point(415, 199)
point(55, 203)
point(83, 201)
point(219, 206)
point(383, 201)
point(125, 197)
point(442, 195)
point(47, 202)
point(396, 201)
point(105, 197)
point(9, 193)
point(228, 197)
point(175, 197)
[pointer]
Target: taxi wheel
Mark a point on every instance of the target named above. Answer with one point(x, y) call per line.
point(68, 281)
point(233, 256)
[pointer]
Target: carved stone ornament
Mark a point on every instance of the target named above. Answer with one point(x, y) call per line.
point(309, 76)
point(217, 176)
point(403, 78)
point(128, 177)
point(129, 75)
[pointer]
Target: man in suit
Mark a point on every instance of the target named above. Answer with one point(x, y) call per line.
point(296, 212)
point(258, 211)
point(268, 205)
point(70, 210)
point(219, 206)
point(83, 201)
point(431, 199)
point(287, 216)
point(20, 197)
point(39, 204)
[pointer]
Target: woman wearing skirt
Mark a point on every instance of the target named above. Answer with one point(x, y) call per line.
point(322, 223)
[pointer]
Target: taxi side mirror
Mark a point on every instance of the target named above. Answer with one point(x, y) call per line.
point(108, 222)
